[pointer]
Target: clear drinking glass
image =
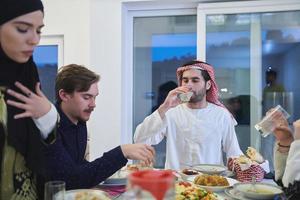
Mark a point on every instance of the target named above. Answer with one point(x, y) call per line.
point(271, 120)
point(55, 190)
point(185, 97)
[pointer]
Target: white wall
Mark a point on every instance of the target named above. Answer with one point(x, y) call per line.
point(105, 53)
point(70, 19)
point(92, 36)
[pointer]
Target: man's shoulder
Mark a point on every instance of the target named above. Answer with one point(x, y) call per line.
point(213, 106)
point(220, 111)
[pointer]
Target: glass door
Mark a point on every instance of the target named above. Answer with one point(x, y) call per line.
point(161, 44)
point(253, 47)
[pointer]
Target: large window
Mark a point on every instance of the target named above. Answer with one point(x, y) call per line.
point(242, 40)
point(48, 57)
point(245, 49)
point(161, 45)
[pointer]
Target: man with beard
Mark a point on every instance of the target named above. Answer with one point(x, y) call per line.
point(76, 91)
point(198, 131)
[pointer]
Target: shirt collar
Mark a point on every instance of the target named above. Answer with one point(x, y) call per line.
point(64, 120)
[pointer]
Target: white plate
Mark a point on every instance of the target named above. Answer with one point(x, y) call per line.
point(231, 182)
point(121, 183)
point(219, 197)
point(115, 182)
point(87, 194)
point(228, 173)
point(258, 190)
point(210, 169)
point(185, 176)
point(118, 178)
point(235, 194)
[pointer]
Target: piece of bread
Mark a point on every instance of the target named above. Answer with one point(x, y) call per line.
point(244, 160)
point(254, 155)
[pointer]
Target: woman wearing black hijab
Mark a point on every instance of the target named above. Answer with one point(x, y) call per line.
point(27, 118)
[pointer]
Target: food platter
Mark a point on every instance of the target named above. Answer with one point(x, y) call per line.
point(231, 182)
point(187, 190)
point(86, 194)
point(258, 190)
point(210, 169)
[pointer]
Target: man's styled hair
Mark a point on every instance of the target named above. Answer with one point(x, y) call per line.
point(73, 78)
point(204, 73)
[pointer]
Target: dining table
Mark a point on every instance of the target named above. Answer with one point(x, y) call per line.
point(118, 192)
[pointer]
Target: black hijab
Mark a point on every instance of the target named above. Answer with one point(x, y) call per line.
point(22, 134)
point(11, 9)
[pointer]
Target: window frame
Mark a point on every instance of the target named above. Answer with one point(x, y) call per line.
point(154, 8)
point(130, 10)
point(205, 9)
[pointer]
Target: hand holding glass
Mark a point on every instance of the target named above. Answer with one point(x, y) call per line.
point(272, 119)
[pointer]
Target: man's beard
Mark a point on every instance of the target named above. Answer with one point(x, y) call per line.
point(198, 97)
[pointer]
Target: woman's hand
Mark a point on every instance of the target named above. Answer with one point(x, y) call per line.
point(35, 105)
point(282, 132)
point(277, 117)
point(140, 152)
point(284, 135)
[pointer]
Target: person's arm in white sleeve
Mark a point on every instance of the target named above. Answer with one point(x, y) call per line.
point(292, 170)
point(152, 130)
point(280, 158)
point(284, 137)
point(230, 143)
point(47, 122)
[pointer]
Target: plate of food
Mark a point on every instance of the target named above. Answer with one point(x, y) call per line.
point(86, 194)
point(210, 169)
point(188, 172)
point(187, 190)
point(258, 190)
point(120, 177)
point(213, 183)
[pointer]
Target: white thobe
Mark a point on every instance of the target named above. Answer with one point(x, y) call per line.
point(292, 169)
point(194, 136)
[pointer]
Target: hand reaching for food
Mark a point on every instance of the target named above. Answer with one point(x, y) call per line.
point(141, 152)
